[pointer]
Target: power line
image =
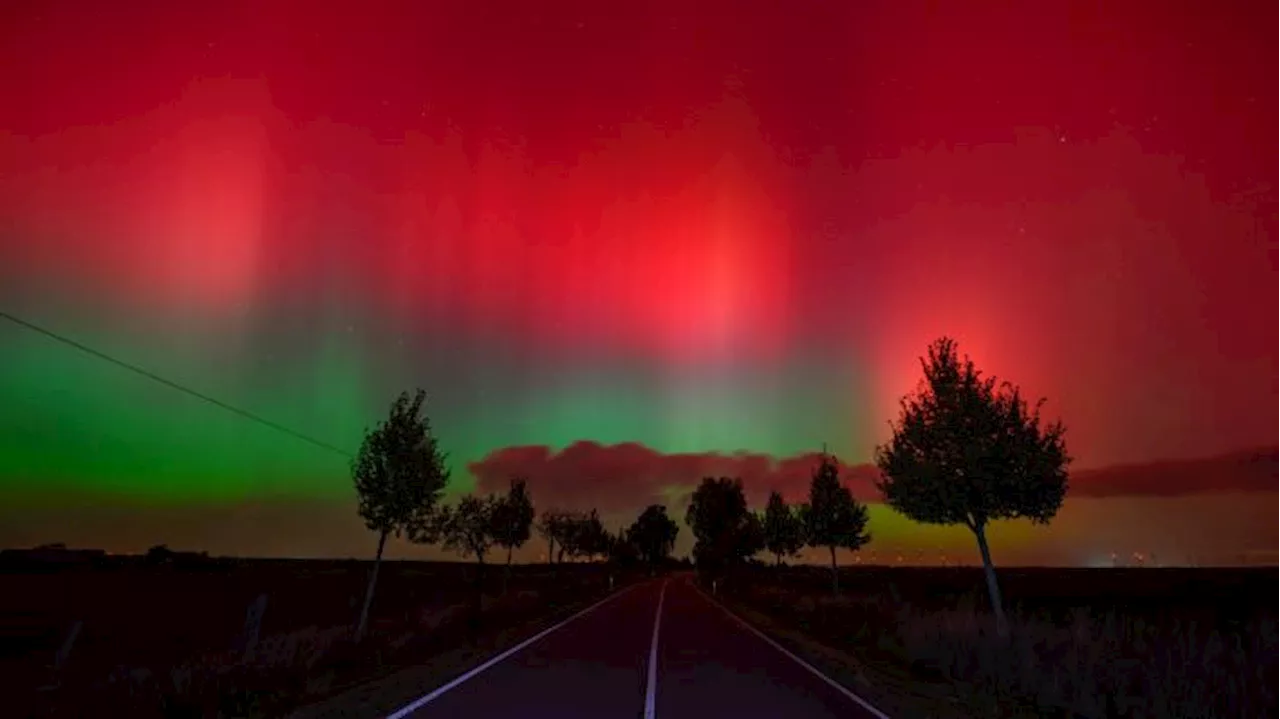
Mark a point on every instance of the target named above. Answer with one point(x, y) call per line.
point(173, 385)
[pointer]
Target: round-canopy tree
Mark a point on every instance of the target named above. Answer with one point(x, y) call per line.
point(513, 521)
point(968, 450)
point(654, 535)
point(783, 529)
point(833, 518)
point(725, 531)
point(399, 474)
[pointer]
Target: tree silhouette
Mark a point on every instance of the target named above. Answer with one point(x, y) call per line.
point(467, 527)
point(783, 531)
point(653, 534)
point(966, 450)
point(724, 531)
point(833, 518)
point(158, 554)
point(551, 527)
point(512, 518)
point(585, 536)
point(750, 539)
point(567, 532)
point(623, 551)
point(399, 474)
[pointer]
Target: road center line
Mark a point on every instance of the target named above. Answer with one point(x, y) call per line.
point(812, 669)
point(425, 699)
point(651, 690)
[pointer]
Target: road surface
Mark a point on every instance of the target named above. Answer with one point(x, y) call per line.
point(659, 650)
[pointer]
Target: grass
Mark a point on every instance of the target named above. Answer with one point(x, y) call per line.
point(1095, 659)
point(917, 642)
point(291, 665)
point(1121, 665)
point(291, 669)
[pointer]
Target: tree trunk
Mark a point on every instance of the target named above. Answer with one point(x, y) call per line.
point(368, 594)
point(507, 576)
point(993, 587)
point(551, 551)
point(835, 575)
point(480, 572)
point(477, 599)
point(777, 562)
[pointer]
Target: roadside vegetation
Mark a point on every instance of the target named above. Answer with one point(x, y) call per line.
point(171, 639)
point(969, 450)
point(1096, 643)
point(966, 450)
point(120, 658)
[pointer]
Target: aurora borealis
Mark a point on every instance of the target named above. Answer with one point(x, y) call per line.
point(684, 228)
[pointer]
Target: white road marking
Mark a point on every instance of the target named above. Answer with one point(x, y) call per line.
point(425, 699)
point(812, 669)
point(651, 690)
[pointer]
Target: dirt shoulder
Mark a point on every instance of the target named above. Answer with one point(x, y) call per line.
point(887, 685)
point(379, 697)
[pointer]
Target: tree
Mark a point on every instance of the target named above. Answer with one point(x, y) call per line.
point(623, 551)
point(654, 534)
point(467, 527)
point(584, 535)
point(783, 532)
point(550, 528)
point(749, 540)
point(158, 554)
point(966, 450)
point(399, 474)
point(512, 518)
point(724, 531)
point(833, 518)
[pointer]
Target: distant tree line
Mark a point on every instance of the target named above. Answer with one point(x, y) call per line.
point(965, 450)
point(400, 475)
point(727, 533)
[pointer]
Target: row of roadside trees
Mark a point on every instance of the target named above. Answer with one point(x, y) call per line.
point(965, 450)
point(727, 532)
point(400, 475)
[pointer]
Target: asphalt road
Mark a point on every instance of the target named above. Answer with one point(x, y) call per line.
point(660, 650)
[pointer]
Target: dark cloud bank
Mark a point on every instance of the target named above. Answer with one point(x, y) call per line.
point(623, 477)
point(618, 480)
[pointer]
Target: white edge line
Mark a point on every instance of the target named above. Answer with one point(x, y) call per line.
point(651, 690)
point(812, 669)
point(434, 694)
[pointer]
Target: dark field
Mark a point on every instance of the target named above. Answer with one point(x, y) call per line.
point(1142, 642)
point(165, 640)
point(151, 635)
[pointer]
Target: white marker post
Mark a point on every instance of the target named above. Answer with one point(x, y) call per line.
point(252, 624)
point(64, 652)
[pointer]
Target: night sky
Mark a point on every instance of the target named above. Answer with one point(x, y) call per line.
point(617, 245)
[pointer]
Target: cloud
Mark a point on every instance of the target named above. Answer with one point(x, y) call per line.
point(1253, 470)
point(627, 476)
